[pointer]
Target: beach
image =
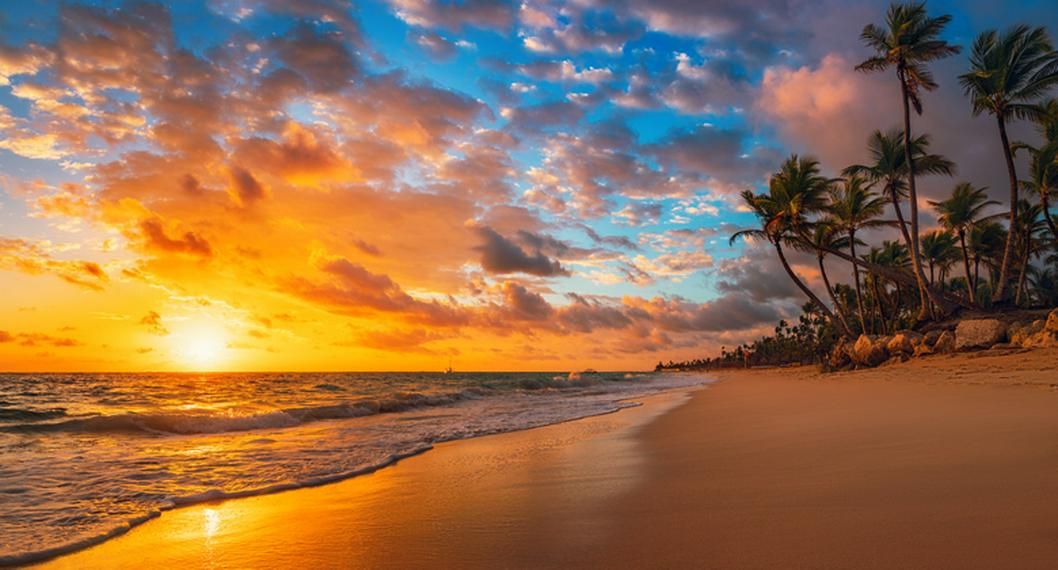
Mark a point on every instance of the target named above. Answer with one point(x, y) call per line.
point(947, 461)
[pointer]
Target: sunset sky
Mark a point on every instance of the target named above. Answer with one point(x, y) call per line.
point(326, 185)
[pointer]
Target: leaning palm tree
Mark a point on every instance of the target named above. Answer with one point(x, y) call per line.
point(939, 251)
point(822, 238)
point(909, 40)
point(853, 207)
point(795, 192)
point(888, 167)
point(960, 213)
point(1008, 73)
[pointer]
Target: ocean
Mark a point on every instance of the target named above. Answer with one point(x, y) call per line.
point(84, 457)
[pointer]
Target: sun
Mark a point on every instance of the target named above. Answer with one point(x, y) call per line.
point(200, 346)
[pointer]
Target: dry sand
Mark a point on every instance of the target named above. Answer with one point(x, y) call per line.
point(945, 462)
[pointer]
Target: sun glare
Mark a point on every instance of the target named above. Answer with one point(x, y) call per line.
point(201, 346)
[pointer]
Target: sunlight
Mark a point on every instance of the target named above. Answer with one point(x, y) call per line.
point(200, 346)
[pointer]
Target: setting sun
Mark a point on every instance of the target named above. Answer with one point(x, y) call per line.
point(200, 346)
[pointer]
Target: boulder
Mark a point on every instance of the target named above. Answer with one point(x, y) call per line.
point(903, 343)
point(1019, 333)
point(869, 351)
point(839, 356)
point(1051, 325)
point(923, 349)
point(931, 337)
point(945, 343)
point(1042, 333)
point(979, 333)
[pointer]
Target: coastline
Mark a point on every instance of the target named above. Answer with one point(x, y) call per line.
point(938, 462)
point(639, 406)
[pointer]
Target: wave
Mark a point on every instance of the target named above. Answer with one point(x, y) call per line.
point(30, 415)
point(123, 526)
point(200, 423)
point(184, 423)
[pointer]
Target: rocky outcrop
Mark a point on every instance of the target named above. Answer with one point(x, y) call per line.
point(904, 343)
point(1021, 333)
point(869, 351)
point(839, 357)
point(972, 334)
point(1038, 334)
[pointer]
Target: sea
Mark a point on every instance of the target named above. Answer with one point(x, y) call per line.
point(85, 457)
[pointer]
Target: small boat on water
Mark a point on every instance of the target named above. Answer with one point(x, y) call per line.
point(449, 369)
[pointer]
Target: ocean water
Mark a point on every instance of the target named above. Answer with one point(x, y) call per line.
point(84, 457)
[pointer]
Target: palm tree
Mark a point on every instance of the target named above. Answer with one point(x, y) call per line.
point(853, 206)
point(1045, 286)
point(938, 249)
point(895, 254)
point(825, 237)
point(987, 245)
point(1043, 177)
point(793, 193)
point(909, 40)
point(889, 167)
point(1030, 229)
point(1007, 74)
point(960, 213)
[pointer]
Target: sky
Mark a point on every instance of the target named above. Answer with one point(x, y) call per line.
point(387, 185)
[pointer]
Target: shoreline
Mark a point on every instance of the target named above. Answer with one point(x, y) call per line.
point(936, 462)
point(46, 556)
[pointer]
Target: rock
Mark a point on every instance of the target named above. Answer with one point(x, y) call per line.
point(1041, 334)
point(839, 356)
point(923, 349)
point(869, 351)
point(931, 338)
point(1019, 333)
point(979, 333)
point(903, 343)
point(945, 343)
point(1051, 325)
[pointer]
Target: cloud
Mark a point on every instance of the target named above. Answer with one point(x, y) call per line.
point(156, 239)
point(495, 14)
point(38, 257)
point(502, 256)
point(153, 322)
point(437, 46)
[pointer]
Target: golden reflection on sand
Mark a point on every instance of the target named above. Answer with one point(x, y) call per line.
point(469, 501)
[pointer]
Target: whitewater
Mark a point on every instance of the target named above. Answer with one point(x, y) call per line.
point(85, 457)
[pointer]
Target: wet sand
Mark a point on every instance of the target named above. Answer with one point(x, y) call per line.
point(947, 462)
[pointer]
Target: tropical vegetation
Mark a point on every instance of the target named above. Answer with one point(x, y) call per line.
point(981, 254)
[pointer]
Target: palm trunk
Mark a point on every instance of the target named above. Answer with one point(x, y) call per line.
point(1000, 289)
point(1027, 237)
point(1046, 206)
point(830, 291)
point(977, 273)
point(881, 305)
point(946, 302)
point(971, 287)
point(800, 285)
point(856, 278)
point(924, 293)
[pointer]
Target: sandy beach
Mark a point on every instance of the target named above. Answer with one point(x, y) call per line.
point(948, 461)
